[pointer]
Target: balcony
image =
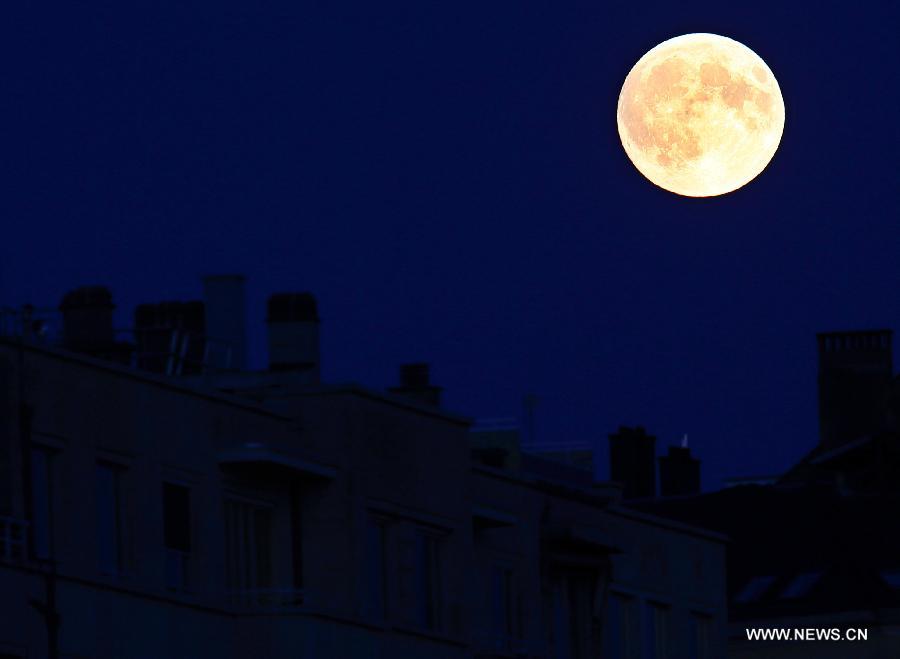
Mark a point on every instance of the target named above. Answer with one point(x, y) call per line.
point(13, 540)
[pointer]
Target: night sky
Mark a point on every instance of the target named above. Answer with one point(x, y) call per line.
point(447, 178)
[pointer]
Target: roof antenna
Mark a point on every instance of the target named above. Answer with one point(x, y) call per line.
point(684, 442)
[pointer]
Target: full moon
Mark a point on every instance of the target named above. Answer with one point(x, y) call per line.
point(700, 115)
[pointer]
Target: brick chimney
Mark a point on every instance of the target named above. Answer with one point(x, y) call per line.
point(632, 462)
point(854, 380)
point(88, 319)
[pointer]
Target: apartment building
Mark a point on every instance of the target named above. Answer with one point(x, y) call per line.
point(158, 499)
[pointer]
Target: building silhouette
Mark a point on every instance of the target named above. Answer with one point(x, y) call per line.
point(818, 547)
point(814, 547)
point(158, 499)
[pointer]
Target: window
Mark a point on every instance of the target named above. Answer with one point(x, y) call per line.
point(375, 560)
point(248, 552)
point(699, 639)
point(109, 519)
point(572, 619)
point(561, 622)
point(619, 630)
point(177, 534)
point(297, 537)
point(427, 580)
point(580, 587)
point(502, 613)
point(41, 503)
point(13, 539)
point(655, 643)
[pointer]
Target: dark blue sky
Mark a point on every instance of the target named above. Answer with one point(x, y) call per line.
point(448, 179)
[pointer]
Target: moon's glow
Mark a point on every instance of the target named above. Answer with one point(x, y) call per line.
point(700, 115)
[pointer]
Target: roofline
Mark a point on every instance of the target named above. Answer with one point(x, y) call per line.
point(752, 477)
point(556, 447)
point(609, 506)
point(391, 399)
point(528, 479)
point(838, 451)
point(141, 376)
point(666, 523)
point(191, 386)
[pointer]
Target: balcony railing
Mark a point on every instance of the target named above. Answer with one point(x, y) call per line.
point(13, 539)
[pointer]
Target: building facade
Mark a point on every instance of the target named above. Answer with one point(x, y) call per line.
point(234, 514)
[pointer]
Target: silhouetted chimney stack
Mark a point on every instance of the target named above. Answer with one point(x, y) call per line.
point(854, 379)
point(293, 321)
point(226, 319)
point(632, 462)
point(88, 319)
point(415, 384)
point(679, 473)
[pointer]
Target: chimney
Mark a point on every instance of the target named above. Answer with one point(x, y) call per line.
point(87, 319)
point(226, 317)
point(854, 380)
point(293, 321)
point(679, 473)
point(415, 384)
point(632, 462)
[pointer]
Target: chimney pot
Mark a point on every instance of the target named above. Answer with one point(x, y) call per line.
point(415, 383)
point(855, 371)
point(87, 319)
point(293, 322)
point(414, 375)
